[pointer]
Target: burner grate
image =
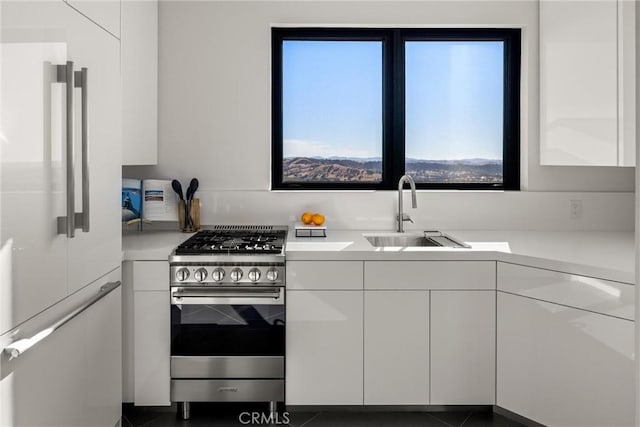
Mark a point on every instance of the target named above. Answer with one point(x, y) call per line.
point(235, 239)
point(244, 227)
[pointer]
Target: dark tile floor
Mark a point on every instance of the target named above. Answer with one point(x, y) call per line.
point(229, 415)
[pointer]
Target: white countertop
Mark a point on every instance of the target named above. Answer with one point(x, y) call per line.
point(151, 245)
point(605, 255)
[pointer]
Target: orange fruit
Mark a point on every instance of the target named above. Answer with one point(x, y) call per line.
point(306, 218)
point(318, 219)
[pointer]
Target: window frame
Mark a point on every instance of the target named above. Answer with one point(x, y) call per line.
point(393, 101)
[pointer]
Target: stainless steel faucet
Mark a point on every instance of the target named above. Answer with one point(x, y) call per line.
point(402, 217)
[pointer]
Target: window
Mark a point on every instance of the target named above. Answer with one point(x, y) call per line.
point(358, 108)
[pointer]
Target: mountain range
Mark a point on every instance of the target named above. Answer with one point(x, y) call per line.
point(355, 169)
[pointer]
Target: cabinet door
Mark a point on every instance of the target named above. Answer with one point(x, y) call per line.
point(150, 276)
point(627, 83)
point(94, 253)
point(578, 83)
point(564, 366)
point(325, 275)
point(463, 338)
point(396, 348)
point(586, 293)
point(105, 13)
point(324, 348)
point(152, 348)
point(427, 275)
point(71, 377)
point(139, 82)
point(128, 339)
point(33, 257)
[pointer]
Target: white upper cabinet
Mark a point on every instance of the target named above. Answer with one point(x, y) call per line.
point(587, 88)
point(40, 266)
point(140, 82)
point(95, 252)
point(627, 83)
point(105, 13)
point(33, 257)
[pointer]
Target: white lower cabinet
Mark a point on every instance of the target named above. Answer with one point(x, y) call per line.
point(146, 333)
point(429, 275)
point(396, 348)
point(324, 360)
point(71, 377)
point(325, 275)
point(463, 337)
point(562, 366)
point(152, 377)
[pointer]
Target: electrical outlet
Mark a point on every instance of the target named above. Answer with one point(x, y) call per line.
point(576, 209)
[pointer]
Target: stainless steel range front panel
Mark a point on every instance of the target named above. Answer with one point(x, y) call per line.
point(234, 390)
point(227, 367)
point(226, 274)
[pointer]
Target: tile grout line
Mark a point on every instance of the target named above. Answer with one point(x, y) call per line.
point(466, 419)
point(124, 417)
point(438, 419)
point(311, 419)
point(149, 422)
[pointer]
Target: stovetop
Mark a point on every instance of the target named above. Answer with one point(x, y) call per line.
point(231, 256)
point(233, 240)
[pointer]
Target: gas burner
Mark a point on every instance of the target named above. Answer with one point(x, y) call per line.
point(234, 241)
point(260, 238)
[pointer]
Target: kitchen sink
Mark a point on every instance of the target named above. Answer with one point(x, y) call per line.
point(425, 239)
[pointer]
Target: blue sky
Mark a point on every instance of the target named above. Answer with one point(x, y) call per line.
point(332, 99)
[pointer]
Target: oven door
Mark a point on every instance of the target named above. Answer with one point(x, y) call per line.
point(232, 332)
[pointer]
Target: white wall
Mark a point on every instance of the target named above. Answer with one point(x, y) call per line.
point(215, 95)
point(443, 211)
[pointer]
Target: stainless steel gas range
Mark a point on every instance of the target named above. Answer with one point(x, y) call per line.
point(228, 316)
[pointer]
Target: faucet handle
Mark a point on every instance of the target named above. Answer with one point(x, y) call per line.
point(406, 217)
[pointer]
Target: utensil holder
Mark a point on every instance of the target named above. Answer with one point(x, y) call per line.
point(189, 216)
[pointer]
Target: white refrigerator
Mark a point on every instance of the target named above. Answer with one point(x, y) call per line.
point(60, 238)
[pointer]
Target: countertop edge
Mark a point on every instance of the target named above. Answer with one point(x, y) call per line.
point(157, 246)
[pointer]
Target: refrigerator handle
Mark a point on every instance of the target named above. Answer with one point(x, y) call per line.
point(82, 218)
point(66, 224)
point(19, 347)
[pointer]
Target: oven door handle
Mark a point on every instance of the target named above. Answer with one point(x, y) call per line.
point(203, 295)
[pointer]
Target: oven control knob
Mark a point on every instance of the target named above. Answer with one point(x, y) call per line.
point(254, 274)
point(217, 274)
point(182, 274)
point(236, 274)
point(200, 274)
point(272, 275)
